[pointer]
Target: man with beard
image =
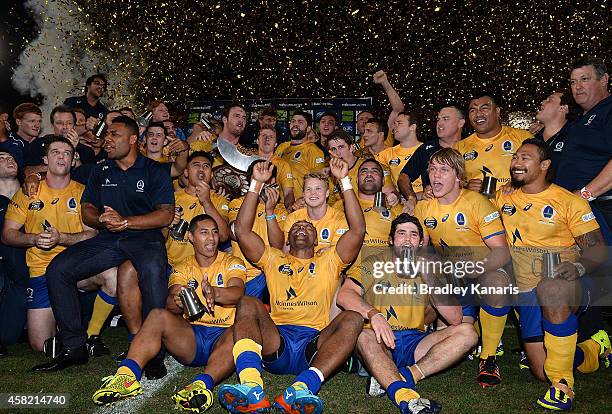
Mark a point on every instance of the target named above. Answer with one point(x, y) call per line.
point(543, 218)
point(489, 149)
point(463, 225)
point(369, 177)
point(95, 86)
point(449, 126)
point(394, 345)
point(128, 199)
point(303, 156)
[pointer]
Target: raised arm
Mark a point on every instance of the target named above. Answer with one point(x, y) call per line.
point(397, 105)
point(350, 243)
point(251, 244)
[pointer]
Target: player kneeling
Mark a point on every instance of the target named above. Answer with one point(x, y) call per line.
point(218, 279)
point(394, 347)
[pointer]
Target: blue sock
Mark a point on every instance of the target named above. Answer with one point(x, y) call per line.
point(207, 380)
point(578, 357)
point(133, 366)
point(408, 378)
point(111, 300)
point(311, 379)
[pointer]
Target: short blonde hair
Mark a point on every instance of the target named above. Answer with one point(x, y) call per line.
point(452, 158)
point(317, 176)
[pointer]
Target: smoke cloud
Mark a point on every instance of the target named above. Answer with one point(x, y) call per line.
point(56, 63)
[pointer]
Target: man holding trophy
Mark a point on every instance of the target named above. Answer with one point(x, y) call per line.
point(547, 223)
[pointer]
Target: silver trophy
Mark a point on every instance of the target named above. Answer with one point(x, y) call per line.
point(144, 119)
point(549, 261)
point(489, 186)
point(193, 308)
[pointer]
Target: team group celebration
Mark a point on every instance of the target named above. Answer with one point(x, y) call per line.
point(236, 248)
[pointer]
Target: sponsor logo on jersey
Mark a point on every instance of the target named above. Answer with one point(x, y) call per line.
point(488, 148)
point(460, 219)
point(559, 147)
point(140, 186)
point(285, 268)
point(508, 209)
point(391, 313)
point(469, 156)
point(107, 183)
point(54, 202)
point(220, 280)
point(516, 235)
point(507, 146)
point(192, 283)
point(237, 266)
point(445, 218)
point(72, 203)
point(490, 217)
point(311, 269)
point(527, 207)
point(548, 212)
point(385, 213)
point(36, 205)
point(431, 222)
point(297, 155)
point(325, 234)
point(394, 162)
point(191, 207)
point(588, 217)
point(291, 293)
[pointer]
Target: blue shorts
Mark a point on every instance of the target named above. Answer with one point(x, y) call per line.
point(406, 342)
point(530, 316)
point(256, 286)
point(206, 337)
point(530, 312)
point(293, 359)
point(37, 293)
point(471, 310)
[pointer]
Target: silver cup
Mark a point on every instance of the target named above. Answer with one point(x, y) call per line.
point(379, 201)
point(192, 306)
point(489, 186)
point(179, 230)
point(52, 347)
point(144, 119)
point(408, 257)
point(549, 261)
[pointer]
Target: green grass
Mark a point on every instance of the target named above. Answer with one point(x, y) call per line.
point(455, 389)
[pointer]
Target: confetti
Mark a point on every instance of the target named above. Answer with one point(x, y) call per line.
point(433, 51)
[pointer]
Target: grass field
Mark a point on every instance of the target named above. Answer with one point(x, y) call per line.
point(455, 389)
